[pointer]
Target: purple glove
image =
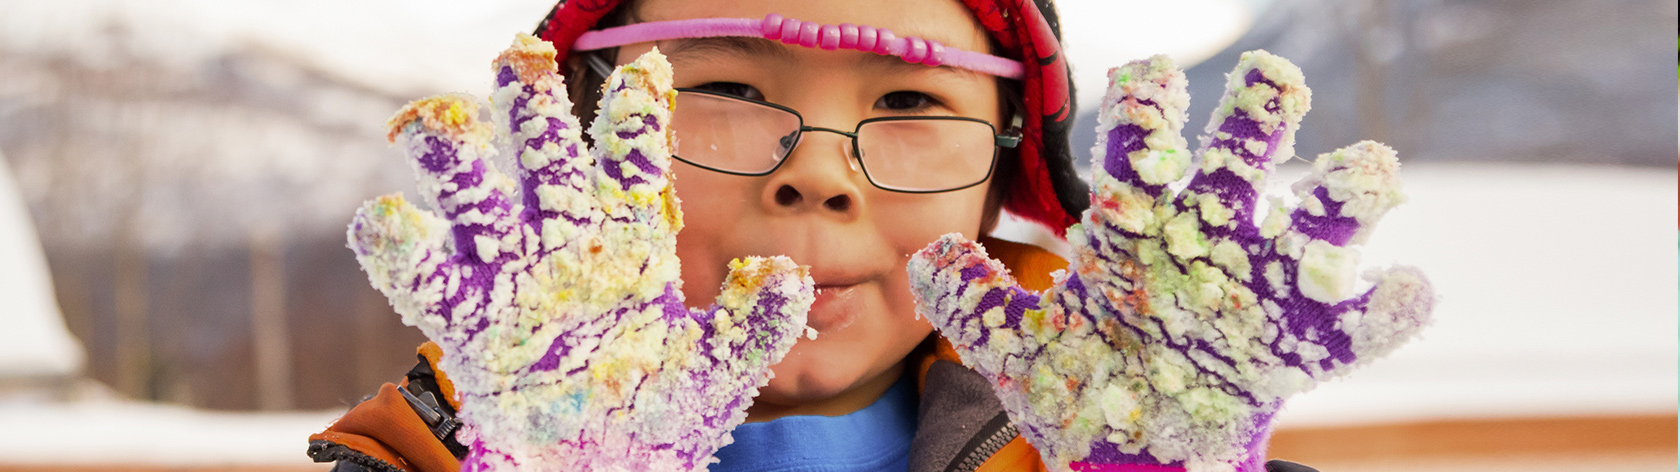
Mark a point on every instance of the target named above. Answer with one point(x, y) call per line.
point(558, 306)
point(1183, 325)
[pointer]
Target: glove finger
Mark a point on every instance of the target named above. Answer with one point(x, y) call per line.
point(449, 149)
point(974, 302)
point(757, 318)
point(1139, 146)
point(402, 249)
point(633, 255)
point(717, 358)
point(1324, 340)
point(1252, 128)
point(1309, 271)
point(1346, 194)
point(531, 107)
point(1396, 308)
point(633, 155)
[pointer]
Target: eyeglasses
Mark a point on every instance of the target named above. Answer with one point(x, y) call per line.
point(910, 154)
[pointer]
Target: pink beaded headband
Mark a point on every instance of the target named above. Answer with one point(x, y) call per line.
point(807, 34)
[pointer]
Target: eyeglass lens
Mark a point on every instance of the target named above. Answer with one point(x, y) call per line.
point(913, 155)
point(732, 135)
point(921, 155)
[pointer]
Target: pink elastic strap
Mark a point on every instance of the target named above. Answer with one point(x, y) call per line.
point(806, 34)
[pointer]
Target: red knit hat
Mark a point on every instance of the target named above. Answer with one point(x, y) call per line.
point(1045, 190)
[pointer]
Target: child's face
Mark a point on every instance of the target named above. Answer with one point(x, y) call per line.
point(818, 207)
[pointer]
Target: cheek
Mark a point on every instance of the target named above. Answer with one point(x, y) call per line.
point(901, 321)
point(887, 328)
point(714, 213)
point(914, 221)
point(911, 227)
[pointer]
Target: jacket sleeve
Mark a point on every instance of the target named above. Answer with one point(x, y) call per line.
point(406, 428)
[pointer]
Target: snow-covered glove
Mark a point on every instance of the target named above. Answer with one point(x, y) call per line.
point(1182, 325)
point(555, 294)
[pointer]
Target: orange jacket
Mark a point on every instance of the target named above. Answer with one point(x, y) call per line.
point(962, 428)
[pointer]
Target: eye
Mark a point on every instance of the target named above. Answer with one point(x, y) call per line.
point(905, 101)
point(733, 89)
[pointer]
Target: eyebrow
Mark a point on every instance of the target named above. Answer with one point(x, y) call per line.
point(742, 47)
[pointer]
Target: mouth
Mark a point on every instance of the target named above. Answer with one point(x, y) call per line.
point(836, 306)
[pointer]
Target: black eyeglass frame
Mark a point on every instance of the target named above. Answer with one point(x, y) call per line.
point(1010, 140)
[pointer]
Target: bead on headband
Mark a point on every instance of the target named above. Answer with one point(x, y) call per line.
point(808, 34)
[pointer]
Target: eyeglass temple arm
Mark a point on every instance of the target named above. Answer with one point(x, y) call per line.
point(598, 65)
point(1011, 137)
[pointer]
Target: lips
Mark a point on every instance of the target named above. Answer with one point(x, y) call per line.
point(837, 304)
point(847, 275)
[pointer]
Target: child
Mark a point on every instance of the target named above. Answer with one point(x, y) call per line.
point(876, 390)
point(821, 209)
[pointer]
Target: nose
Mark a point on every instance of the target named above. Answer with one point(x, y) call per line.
point(819, 176)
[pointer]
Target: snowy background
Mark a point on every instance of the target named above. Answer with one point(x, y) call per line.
point(183, 170)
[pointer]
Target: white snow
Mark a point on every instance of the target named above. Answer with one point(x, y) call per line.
point(1557, 297)
point(119, 432)
point(34, 342)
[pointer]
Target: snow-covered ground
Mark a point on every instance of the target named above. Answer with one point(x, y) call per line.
point(35, 343)
point(1558, 288)
point(1558, 297)
point(132, 433)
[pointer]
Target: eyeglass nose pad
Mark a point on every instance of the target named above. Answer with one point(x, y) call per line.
point(852, 156)
point(787, 141)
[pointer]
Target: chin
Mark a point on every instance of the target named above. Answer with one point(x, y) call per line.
point(820, 370)
point(810, 373)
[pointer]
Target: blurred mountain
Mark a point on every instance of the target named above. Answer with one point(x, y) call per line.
point(179, 199)
point(1584, 81)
